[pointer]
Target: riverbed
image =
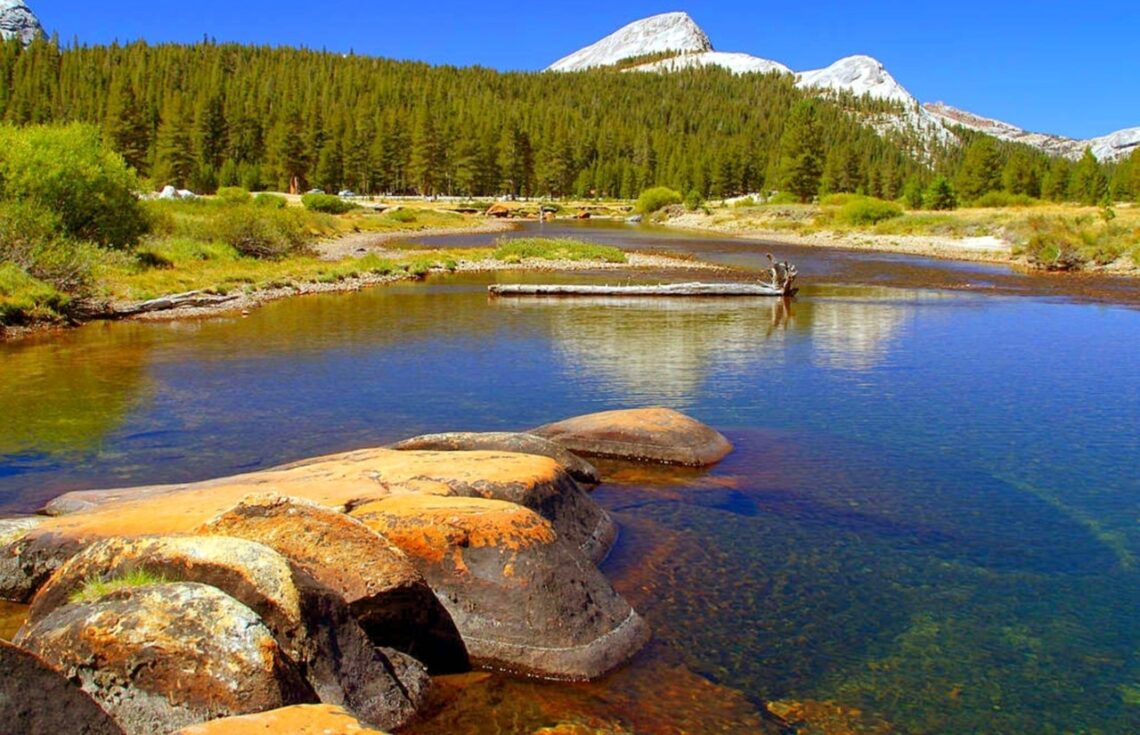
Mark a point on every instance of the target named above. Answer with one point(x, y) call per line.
point(932, 514)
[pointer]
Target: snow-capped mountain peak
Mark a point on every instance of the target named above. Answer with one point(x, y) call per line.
point(859, 75)
point(657, 34)
point(18, 21)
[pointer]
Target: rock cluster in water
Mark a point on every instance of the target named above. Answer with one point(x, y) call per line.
point(319, 596)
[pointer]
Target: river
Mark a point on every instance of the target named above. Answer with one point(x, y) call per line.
point(932, 514)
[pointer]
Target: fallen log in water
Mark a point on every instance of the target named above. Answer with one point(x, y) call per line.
point(662, 289)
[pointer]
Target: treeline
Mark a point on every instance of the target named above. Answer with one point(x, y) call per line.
point(207, 115)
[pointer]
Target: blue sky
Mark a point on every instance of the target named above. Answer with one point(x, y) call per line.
point(1061, 67)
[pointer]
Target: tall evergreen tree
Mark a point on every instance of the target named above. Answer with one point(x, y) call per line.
point(981, 170)
point(126, 127)
point(1055, 183)
point(174, 160)
point(1088, 184)
point(801, 153)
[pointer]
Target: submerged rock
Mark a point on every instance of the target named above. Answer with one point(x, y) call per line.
point(35, 699)
point(523, 599)
point(504, 441)
point(383, 589)
point(312, 624)
point(640, 434)
point(159, 657)
point(300, 719)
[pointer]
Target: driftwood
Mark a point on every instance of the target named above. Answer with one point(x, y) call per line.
point(175, 301)
point(663, 289)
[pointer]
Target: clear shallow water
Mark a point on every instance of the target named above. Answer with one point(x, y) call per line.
point(933, 512)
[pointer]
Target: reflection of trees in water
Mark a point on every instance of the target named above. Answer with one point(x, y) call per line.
point(67, 393)
point(852, 335)
point(662, 349)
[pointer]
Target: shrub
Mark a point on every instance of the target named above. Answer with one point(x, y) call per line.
point(69, 172)
point(653, 199)
point(1004, 199)
point(24, 298)
point(783, 197)
point(28, 241)
point(270, 201)
point(233, 195)
point(694, 200)
point(838, 200)
point(262, 233)
point(744, 203)
point(868, 211)
point(404, 216)
point(327, 203)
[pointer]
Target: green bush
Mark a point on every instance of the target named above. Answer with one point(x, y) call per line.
point(259, 232)
point(1005, 199)
point(69, 172)
point(29, 241)
point(271, 201)
point(940, 195)
point(326, 203)
point(24, 298)
point(233, 195)
point(868, 211)
point(783, 197)
point(404, 216)
point(694, 200)
point(838, 200)
point(656, 198)
point(744, 203)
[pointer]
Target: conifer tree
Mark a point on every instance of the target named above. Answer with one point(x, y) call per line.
point(126, 127)
point(174, 161)
point(981, 169)
point(940, 195)
point(1020, 175)
point(428, 157)
point(801, 152)
point(1088, 184)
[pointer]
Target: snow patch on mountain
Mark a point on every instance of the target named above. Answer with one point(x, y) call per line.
point(859, 75)
point(18, 21)
point(658, 34)
point(1111, 147)
point(737, 63)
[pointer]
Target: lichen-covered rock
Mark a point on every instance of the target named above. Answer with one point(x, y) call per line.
point(36, 699)
point(640, 434)
point(522, 598)
point(300, 719)
point(20, 572)
point(504, 441)
point(311, 623)
point(386, 593)
point(160, 657)
point(340, 481)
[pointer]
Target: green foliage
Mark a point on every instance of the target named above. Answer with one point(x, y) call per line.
point(1088, 184)
point(403, 216)
point(868, 211)
point(656, 198)
point(29, 241)
point(234, 195)
point(1068, 243)
point(24, 298)
point(68, 172)
point(981, 170)
point(270, 201)
point(327, 203)
point(524, 248)
point(261, 232)
point(801, 152)
point(694, 200)
point(1004, 199)
point(913, 193)
point(744, 203)
point(95, 588)
point(940, 195)
point(784, 197)
point(1055, 183)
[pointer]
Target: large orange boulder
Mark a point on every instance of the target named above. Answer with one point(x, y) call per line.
point(310, 623)
point(300, 719)
point(385, 592)
point(523, 599)
point(159, 657)
point(504, 441)
point(640, 434)
point(339, 481)
point(36, 699)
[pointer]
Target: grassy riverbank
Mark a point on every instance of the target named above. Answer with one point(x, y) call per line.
point(1037, 235)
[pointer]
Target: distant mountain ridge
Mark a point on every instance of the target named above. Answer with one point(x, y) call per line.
point(18, 21)
point(861, 75)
